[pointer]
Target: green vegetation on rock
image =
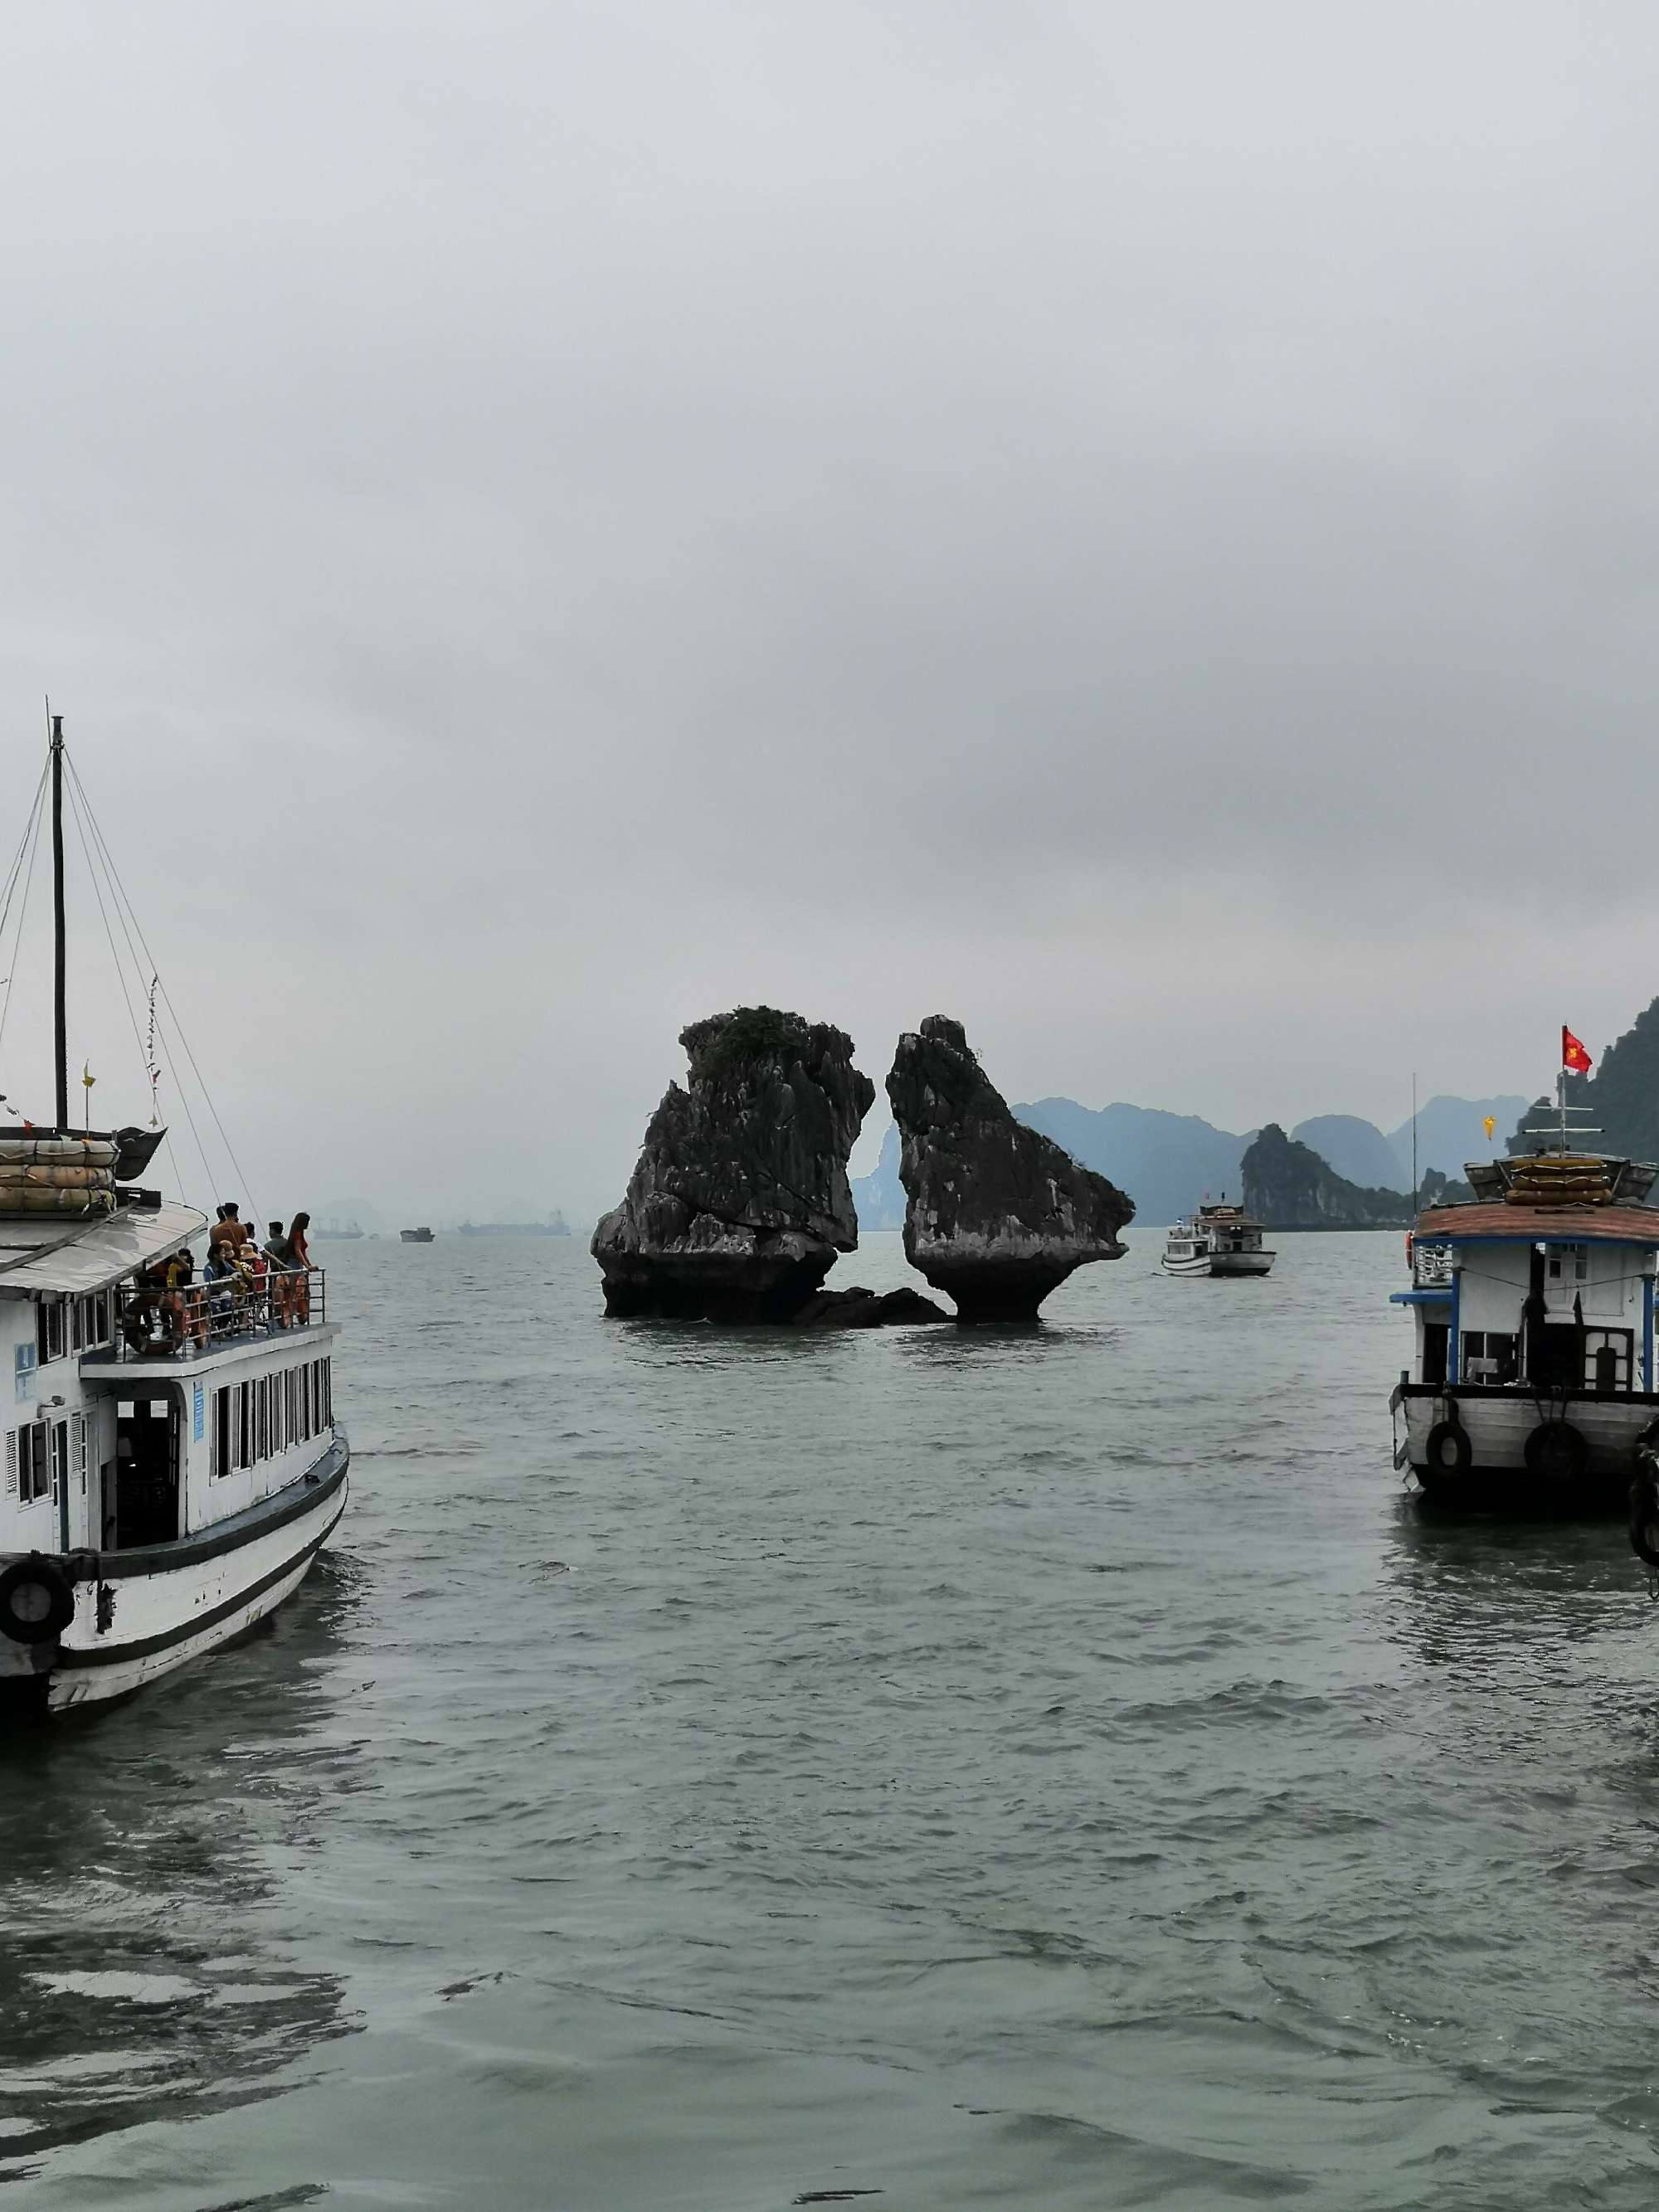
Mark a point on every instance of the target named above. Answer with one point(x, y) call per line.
point(742, 1038)
point(1288, 1186)
point(1622, 1095)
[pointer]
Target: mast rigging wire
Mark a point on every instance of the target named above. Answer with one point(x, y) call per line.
point(145, 1058)
point(120, 891)
point(23, 905)
point(184, 1095)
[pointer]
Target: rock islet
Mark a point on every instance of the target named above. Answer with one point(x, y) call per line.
point(996, 1215)
point(740, 1202)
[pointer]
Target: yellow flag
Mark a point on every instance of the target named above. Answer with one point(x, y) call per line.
point(1489, 1125)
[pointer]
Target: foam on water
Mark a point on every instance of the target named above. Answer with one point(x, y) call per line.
point(1039, 1768)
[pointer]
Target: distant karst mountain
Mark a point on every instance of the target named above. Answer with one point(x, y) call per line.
point(1166, 1162)
point(1444, 1190)
point(1355, 1150)
point(1288, 1186)
point(1169, 1161)
point(1449, 1134)
point(879, 1196)
point(1622, 1093)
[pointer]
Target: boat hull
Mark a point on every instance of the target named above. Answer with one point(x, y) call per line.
point(173, 1603)
point(1241, 1263)
point(1220, 1263)
point(1498, 1424)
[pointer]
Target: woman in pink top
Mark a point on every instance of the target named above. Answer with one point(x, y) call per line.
point(299, 1261)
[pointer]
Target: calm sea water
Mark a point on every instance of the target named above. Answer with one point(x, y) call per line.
point(1050, 1769)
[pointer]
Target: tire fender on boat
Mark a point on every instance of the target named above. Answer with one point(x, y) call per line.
point(1448, 1449)
point(1557, 1452)
point(36, 1601)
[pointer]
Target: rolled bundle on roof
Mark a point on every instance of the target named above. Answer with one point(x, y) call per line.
point(30, 1197)
point(21, 1151)
point(48, 1175)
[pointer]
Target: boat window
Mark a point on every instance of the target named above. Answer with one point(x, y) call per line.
point(50, 1334)
point(1607, 1358)
point(1488, 1356)
point(89, 1322)
point(28, 1462)
point(220, 1463)
point(1568, 1263)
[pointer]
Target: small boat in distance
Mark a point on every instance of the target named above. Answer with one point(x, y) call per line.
point(1219, 1240)
point(416, 1236)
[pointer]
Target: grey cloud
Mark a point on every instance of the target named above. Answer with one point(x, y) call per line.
point(1121, 523)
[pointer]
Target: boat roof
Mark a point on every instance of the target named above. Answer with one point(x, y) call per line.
point(43, 1255)
point(1562, 1177)
point(1527, 1224)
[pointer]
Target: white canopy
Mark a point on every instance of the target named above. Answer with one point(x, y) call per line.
point(45, 1256)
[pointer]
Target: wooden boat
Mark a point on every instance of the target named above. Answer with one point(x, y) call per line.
point(1533, 1377)
point(416, 1236)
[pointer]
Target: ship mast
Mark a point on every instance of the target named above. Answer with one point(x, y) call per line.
point(60, 1033)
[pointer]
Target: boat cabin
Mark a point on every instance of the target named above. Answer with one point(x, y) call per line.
point(1228, 1228)
point(1545, 1282)
point(1533, 1329)
point(135, 1421)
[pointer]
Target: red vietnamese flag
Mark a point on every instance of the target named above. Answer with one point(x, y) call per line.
point(1573, 1054)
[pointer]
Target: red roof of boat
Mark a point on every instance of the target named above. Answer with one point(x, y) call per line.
point(1577, 1224)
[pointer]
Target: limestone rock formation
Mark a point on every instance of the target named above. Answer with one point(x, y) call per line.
point(997, 1214)
point(1287, 1186)
point(1622, 1096)
point(739, 1202)
point(1444, 1190)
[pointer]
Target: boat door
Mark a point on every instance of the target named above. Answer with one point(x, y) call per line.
point(148, 1439)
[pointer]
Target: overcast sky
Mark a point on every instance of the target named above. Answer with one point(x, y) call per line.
point(1131, 525)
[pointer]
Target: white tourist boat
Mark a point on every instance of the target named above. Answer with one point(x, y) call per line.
point(1219, 1240)
point(1533, 1371)
point(173, 1465)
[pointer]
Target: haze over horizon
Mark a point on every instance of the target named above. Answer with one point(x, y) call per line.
point(1132, 528)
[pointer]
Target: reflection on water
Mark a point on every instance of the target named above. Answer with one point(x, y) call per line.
point(1481, 1591)
point(144, 1972)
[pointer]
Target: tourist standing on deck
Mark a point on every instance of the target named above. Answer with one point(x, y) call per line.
point(299, 1260)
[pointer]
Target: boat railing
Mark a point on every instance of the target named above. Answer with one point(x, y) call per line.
point(1431, 1265)
point(154, 1322)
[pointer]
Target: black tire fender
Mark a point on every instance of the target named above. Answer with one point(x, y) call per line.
point(36, 1601)
point(1644, 1509)
point(1447, 1451)
point(1556, 1452)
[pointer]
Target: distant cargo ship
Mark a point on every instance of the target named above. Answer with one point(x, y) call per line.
point(416, 1236)
point(557, 1227)
point(337, 1232)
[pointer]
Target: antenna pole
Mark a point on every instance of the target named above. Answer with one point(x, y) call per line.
point(1413, 1140)
point(60, 1027)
